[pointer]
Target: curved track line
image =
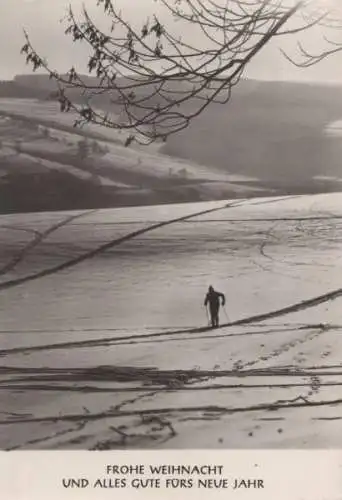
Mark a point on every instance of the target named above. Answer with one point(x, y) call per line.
point(113, 243)
point(245, 321)
point(123, 339)
point(300, 306)
point(114, 390)
point(160, 411)
point(39, 237)
point(106, 246)
point(132, 373)
point(19, 228)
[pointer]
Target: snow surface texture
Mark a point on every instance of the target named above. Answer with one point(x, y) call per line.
point(104, 341)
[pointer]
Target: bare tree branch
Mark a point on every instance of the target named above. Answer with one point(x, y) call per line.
point(156, 82)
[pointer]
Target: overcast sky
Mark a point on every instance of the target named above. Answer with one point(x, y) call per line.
point(42, 19)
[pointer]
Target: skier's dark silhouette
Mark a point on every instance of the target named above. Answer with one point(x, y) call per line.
point(213, 298)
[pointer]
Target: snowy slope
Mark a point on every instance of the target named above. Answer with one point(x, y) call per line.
point(136, 158)
point(37, 138)
point(103, 337)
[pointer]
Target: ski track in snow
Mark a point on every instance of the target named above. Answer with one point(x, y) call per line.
point(38, 238)
point(158, 415)
point(88, 255)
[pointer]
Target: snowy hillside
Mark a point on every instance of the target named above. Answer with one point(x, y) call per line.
point(136, 158)
point(36, 139)
point(104, 340)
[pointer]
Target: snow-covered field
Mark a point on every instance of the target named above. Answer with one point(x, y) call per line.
point(103, 337)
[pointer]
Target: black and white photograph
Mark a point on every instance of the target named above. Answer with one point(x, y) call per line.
point(170, 224)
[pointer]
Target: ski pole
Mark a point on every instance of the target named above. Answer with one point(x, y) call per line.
point(225, 312)
point(206, 310)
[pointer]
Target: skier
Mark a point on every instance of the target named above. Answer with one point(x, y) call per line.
point(213, 298)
